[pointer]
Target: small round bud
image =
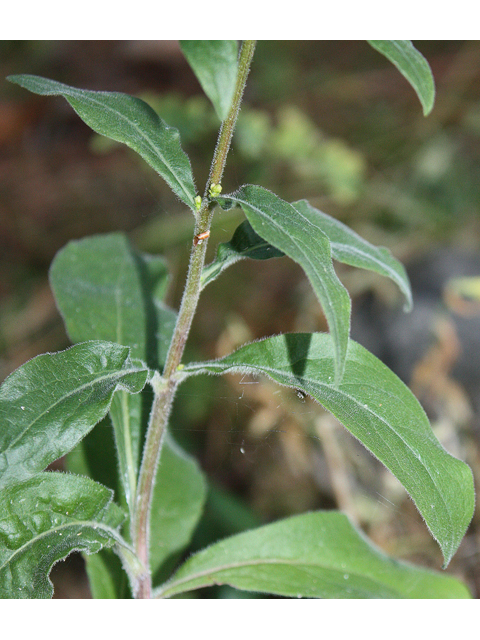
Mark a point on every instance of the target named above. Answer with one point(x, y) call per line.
point(215, 190)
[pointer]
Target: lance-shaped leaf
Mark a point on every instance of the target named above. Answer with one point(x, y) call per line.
point(346, 245)
point(45, 518)
point(214, 62)
point(51, 402)
point(379, 410)
point(105, 290)
point(313, 555)
point(128, 120)
point(350, 248)
point(245, 243)
point(287, 229)
point(412, 65)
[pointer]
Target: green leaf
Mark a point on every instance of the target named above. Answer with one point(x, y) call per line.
point(44, 519)
point(412, 65)
point(245, 243)
point(348, 247)
point(313, 555)
point(105, 290)
point(96, 457)
point(379, 410)
point(289, 230)
point(107, 579)
point(128, 120)
point(177, 505)
point(214, 62)
point(51, 402)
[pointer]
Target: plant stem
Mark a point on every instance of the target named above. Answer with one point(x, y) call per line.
point(166, 386)
point(228, 126)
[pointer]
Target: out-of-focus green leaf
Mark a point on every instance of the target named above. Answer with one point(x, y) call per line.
point(128, 120)
point(379, 410)
point(412, 65)
point(51, 402)
point(466, 287)
point(44, 519)
point(313, 555)
point(106, 576)
point(287, 229)
point(214, 62)
point(178, 500)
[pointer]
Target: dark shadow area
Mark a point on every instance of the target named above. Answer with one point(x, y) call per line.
point(298, 345)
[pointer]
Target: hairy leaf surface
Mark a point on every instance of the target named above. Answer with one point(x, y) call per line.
point(128, 120)
point(289, 230)
point(51, 402)
point(412, 65)
point(44, 519)
point(214, 62)
point(379, 410)
point(314, 555)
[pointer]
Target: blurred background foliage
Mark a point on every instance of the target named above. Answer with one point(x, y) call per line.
point(329, 121)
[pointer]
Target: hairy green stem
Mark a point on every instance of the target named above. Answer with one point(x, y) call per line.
point(228, 126)
point(166, 388)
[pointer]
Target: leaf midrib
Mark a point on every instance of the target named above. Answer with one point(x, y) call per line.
point(94, 524)
point(311, 271)
point(268, 370)
point(143, 135)
point(68, 395)
point(252, 563)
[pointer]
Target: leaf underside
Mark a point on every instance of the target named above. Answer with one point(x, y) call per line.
point(412, 65)
point(214, 62)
